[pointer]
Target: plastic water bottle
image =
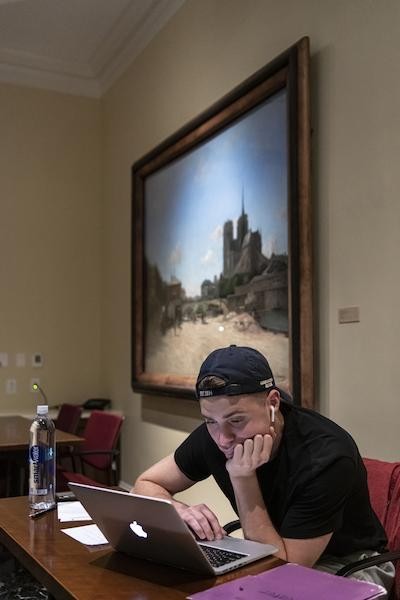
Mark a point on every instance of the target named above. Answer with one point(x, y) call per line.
point(42, 461)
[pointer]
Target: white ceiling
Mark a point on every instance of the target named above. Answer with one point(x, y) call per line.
point(76, 46)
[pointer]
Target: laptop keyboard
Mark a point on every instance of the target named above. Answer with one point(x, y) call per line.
point(219, 557)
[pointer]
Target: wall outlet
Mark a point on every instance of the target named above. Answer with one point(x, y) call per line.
point(11, 386)
point(3, 359)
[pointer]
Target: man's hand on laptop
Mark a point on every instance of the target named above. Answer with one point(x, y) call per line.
point(201, 520)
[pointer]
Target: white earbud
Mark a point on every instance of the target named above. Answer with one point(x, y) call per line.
point(272, 414)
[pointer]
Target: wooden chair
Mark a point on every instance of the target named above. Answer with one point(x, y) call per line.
point(95, 460)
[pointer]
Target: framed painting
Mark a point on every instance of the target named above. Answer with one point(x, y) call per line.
point(222, 237)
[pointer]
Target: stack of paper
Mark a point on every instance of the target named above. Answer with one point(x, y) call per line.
point(72, 511)
point(90, 535)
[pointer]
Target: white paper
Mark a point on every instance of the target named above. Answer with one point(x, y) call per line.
point(72, 511)
point(87, 534)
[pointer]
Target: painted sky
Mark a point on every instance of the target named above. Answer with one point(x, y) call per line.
point(188, 201)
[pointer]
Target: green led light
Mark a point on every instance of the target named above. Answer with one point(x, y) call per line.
point(34, 386)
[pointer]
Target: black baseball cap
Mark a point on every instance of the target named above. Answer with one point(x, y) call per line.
point(244, 370)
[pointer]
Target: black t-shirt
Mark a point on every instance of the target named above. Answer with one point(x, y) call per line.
point(316, 484)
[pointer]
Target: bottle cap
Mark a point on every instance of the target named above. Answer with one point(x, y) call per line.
point(42, 409)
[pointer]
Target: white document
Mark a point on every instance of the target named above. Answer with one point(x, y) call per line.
point(90, 535)
point(72, 511)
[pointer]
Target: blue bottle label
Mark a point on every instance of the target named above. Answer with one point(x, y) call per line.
point(37, 453)
point(38, 480)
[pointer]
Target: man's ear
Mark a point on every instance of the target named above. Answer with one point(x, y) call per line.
point(273, 399)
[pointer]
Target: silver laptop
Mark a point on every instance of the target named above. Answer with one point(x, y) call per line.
point(151, 528)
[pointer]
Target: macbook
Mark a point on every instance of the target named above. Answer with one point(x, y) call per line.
point(151, 529)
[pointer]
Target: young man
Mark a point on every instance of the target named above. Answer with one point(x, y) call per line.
point(295, 478)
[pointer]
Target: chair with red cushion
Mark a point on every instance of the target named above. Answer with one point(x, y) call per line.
point(67, 420)
point(68, 417)
point(384, 490)
point(95, 460)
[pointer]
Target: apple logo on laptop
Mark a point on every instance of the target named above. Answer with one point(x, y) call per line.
point(138, 529)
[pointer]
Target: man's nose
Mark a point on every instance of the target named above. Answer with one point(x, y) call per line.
point(225, 437)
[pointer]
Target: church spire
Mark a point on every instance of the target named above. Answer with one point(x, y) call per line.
point(242, 225)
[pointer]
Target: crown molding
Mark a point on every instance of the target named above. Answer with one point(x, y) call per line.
point(154, 15)
point(132, 32)
point(47, 80)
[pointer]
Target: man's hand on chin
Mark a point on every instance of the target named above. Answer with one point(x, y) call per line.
point(250, 455)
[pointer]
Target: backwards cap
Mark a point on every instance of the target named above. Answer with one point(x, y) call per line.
point(244, 370)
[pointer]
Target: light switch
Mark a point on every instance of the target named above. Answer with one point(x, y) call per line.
point(3, 359)
point(20, 359)
point(11, 386)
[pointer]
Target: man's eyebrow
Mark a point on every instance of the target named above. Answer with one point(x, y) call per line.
point(226, 416)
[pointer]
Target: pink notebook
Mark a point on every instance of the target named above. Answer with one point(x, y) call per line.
point(292, 582)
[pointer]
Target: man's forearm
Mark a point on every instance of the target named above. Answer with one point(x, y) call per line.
point(145, 487)
point(254, 518)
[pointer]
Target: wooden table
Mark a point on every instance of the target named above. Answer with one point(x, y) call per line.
point(72, 571)
point(14, 444)
point(14, 435)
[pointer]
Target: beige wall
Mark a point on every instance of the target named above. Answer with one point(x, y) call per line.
point(50, 242)
point(65, 218)
point(209, 47)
